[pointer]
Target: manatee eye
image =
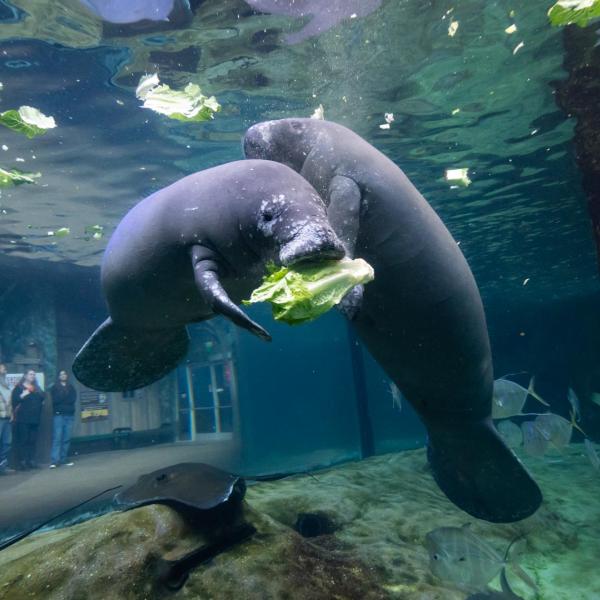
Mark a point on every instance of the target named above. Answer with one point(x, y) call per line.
point(462, 559)
point(436, 557)
point(268, 216)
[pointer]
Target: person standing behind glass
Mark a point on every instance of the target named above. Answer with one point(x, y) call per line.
point(27, 399)
point(5, 421)
point(63, 406)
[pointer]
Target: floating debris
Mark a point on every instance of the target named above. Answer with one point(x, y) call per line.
point(518, 47)
point(62, 232)
point(455, 111)
point(27, 120)
point(187, 105)
point(96, 231)
point(453, 28)
point(511, 29)
point(16, 177)
point(458, 176)
point(577, 12)
point(319, 113)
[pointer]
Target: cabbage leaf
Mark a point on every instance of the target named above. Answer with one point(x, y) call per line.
point(307, 291)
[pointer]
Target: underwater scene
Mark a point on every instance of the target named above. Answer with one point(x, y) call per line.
point(299, 299)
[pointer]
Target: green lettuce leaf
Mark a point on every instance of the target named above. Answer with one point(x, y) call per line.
point(15, 177)
point(304, 293)
point(189, 104)
point(27, 120)
point(579, 12)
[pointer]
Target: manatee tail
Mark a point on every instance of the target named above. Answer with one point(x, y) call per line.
point(117, 359)
point(479, 473)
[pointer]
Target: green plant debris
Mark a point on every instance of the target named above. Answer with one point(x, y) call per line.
point(577, 12)
point(96, 231)
point(16, 177)
point(27, 120)
point(305, 292)
point(189, 104)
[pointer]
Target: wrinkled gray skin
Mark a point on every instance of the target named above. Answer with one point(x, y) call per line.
point(325, 13)
point(421, 318)
point(192, 251)
point(199, 246)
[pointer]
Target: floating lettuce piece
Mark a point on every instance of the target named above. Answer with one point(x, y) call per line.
point(62, 232)
point(27, 120)
point(189, 104)
point(458, 176)
point(579, 12)
point(16, 177)
point(96, 231)
point(304, 293)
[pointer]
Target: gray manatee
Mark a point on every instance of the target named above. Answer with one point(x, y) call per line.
point(421, 318)
point(191, 251)
point(325, 13)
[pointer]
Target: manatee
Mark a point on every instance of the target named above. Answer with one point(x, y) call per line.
point(325, 13)
point(191, 251)
point(421, 318)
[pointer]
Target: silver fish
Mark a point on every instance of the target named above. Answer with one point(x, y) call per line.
point(511, 433)
point(555, 429)
point(574, 402)
point(396, 395)
point(458, 556)
point(534, 443)
point(509, 398)
point(505, 594)
point(592, 454)
point(325, 13)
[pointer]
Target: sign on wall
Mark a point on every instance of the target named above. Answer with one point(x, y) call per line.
point(93, 406)
point(13, 378)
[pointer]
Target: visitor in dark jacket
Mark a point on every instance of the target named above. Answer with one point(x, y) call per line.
point(27, 399)
point(63, 396)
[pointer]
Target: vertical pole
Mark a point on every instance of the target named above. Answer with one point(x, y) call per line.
point(365, 427)
point(191, 402)
point(215, 398)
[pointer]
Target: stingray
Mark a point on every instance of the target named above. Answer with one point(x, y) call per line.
point(325, 13)
point(210, 499)
point(199, 491)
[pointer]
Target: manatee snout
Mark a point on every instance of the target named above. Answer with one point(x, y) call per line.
point(257, 141)
point(312, 242)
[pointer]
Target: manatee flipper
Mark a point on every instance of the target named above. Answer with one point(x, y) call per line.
point(117, 359)
point(343, 211)
point(479, 473)
point(213, 293)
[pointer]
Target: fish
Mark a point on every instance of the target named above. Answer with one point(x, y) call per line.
point(511, 433)
point(460, 557)
point(396, 395)
point(574, 402)
point(595, 398)
point(556, 429)
point(592, 454)
point(509, 398)
point(534, 442)
point(325, 14)
point(505, 594)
